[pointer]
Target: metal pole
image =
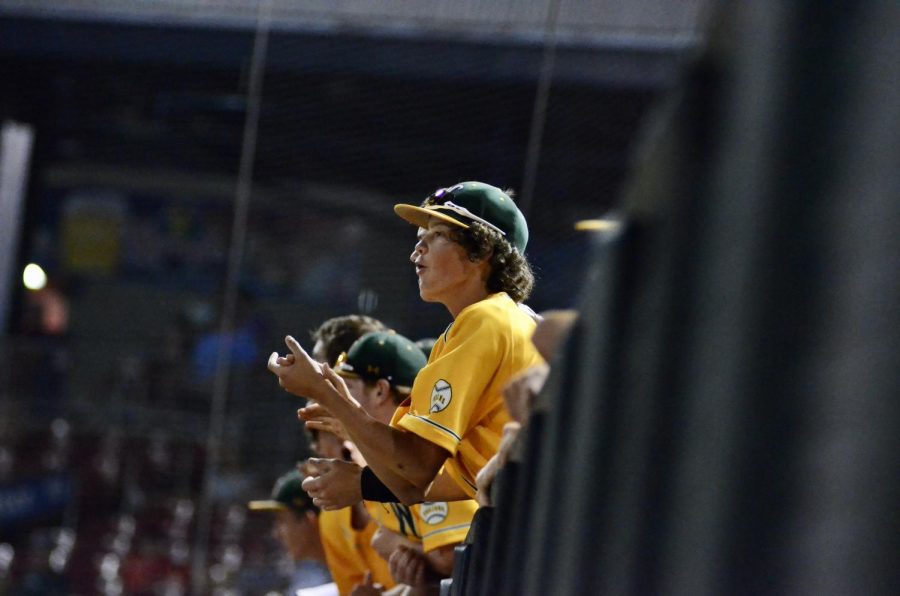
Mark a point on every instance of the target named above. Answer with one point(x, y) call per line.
point(232, 277)
point(539, 114)
point(16, 142)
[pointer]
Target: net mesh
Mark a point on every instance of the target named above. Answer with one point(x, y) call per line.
point(140, 112)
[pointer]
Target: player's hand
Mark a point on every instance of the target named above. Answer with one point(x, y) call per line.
point(385, 542)
point(486, 475)
point(317, 417)
point(552, 330)
point(332, 483)
point(296, 372)
point(407, 566)
point(520, 392)
point(339, 384)
point(367, 587)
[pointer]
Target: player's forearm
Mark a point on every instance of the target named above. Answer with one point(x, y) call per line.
point(404, 462)
point(387, 487)
point(440, 560)
point(443, 488)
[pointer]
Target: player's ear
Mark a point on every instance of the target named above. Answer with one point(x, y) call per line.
point(383, 390)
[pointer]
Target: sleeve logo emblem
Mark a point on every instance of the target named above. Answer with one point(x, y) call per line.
point(440, 396)
point(433, 513)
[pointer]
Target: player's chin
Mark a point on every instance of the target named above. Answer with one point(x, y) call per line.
point(427, 295)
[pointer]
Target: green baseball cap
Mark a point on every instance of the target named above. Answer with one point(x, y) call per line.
point(286, 494)
point(426, 344)
point(466, 202)
point(383, 355)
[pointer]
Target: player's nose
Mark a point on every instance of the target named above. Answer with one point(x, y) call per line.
point(417, 250)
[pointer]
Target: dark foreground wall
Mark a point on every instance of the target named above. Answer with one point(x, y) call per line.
point(725, 418)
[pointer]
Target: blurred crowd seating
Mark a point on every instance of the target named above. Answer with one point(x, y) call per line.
point(101, 495)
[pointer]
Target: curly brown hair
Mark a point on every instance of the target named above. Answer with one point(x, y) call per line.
point(510, 270)
point(339, 333)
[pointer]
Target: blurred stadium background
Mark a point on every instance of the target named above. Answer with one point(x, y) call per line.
point(183, 182)
point(188, 170)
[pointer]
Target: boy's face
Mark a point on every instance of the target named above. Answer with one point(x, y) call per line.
point(442, 265)
point(294, 533)
point(362, 393)
point(328, 445)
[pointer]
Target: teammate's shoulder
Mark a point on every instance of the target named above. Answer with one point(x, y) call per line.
point(336, 523)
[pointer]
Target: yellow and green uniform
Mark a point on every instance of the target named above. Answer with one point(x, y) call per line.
point(457, 399)
point(432, 524)
point(349, 552)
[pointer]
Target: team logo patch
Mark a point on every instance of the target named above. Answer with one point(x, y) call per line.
point(434, 513)
point(440, 396)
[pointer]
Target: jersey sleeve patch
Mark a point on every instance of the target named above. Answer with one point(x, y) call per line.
point(434, 512)
point(441, 396)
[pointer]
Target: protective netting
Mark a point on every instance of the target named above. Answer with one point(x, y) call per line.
point(134, 439)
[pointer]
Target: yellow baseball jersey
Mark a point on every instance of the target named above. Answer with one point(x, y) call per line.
point(456, 401)
point(432, 524)
point(349, 552)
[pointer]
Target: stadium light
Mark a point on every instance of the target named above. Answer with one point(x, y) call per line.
point(34, 277)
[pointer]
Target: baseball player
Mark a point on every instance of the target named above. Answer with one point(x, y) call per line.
point(469, 257)
point(426, 344)
point(346, 532)
point(297, 528)
point(378, 372)
point(335, 335)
